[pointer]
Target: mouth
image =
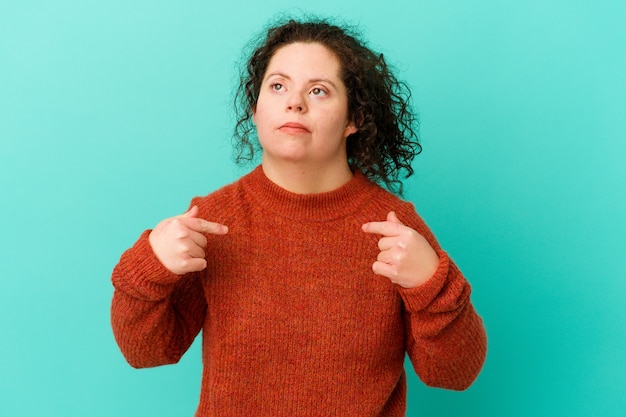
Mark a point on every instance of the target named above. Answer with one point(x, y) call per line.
point(294, 128)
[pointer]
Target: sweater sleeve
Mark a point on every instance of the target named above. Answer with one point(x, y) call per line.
point(446, 340)
point(155, 314)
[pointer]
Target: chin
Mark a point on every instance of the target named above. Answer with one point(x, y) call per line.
point(286, 155)
point(290, 158)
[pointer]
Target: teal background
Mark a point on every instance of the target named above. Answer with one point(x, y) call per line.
point(113, 114)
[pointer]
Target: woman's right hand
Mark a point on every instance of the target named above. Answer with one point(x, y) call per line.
point(179, 242)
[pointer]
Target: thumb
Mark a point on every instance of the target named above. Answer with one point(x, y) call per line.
point(193, 212)
point(392, 217)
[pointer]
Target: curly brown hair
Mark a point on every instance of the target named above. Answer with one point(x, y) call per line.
point(386, 141)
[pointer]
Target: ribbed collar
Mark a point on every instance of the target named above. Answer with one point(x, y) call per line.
point(310, 207)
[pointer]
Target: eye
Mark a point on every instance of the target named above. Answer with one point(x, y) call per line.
point(277, 86)
point(317, 91)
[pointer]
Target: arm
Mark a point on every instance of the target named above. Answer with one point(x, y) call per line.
point(446, 340)
point(158, 305)
point(155, 314)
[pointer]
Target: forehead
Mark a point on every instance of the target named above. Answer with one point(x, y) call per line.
point(309, 59)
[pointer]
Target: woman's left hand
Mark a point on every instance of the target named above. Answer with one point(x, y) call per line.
point(405, 257)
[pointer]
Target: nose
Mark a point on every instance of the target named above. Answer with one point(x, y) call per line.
point(296, 103)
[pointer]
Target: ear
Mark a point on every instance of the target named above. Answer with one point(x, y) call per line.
point(350, 129)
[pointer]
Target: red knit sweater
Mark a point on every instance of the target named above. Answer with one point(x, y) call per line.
point(294, 321)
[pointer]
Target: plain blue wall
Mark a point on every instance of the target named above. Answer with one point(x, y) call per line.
point(113, 114)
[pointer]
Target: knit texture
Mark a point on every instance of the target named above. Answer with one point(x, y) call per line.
point(294, 322)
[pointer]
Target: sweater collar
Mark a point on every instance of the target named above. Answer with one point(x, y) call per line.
point(312, 207)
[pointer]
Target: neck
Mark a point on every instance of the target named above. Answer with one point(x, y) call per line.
point(301, 178)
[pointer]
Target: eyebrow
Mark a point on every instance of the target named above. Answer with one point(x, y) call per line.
point(312, 80)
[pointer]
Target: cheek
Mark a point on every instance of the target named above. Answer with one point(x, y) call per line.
point(259, 116)
point(258, 109)
point(339, 124)
point(262, 124)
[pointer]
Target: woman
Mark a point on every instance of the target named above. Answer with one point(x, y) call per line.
point(309, 281)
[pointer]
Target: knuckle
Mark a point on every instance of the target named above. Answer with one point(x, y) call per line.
point(210, 227)
point(173, 225)
point(393, 272)
point(183, 264)
point(184, 250)
point(182, 233)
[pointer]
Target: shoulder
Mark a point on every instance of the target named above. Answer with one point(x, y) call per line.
point(382, 201)
point(223, 204)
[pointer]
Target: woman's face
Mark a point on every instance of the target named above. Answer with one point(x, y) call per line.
point(301, 113)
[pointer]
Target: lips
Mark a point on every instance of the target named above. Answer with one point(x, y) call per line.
point(294, 128)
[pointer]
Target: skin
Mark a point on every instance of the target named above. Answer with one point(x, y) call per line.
point(301, 118)
point(302, 123)
point(179, 242)
point(405, 257)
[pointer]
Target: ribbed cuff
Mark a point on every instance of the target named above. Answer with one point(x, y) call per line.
point(418, 298)
point(141, 274)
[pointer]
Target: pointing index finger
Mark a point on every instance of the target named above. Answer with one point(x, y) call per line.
point(385, 228)
point(205, 226)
